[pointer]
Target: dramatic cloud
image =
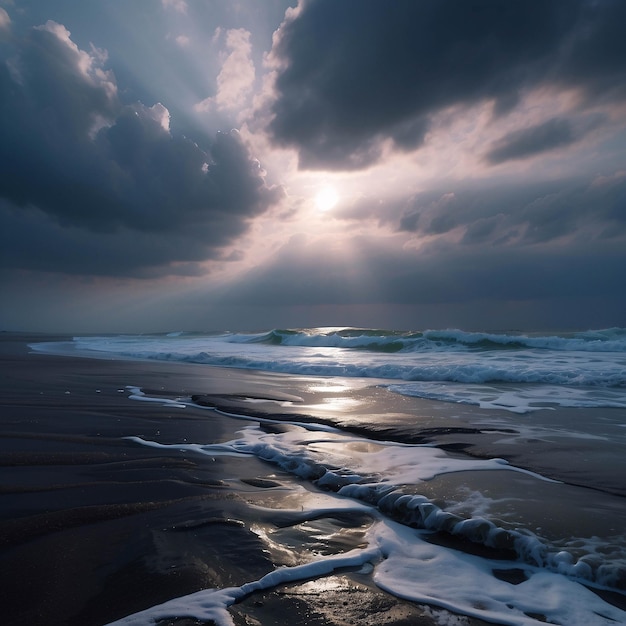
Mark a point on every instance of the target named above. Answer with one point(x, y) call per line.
point(236, 78)
point(109, 181)
point(476, 149)
point(553, 134)
point(515, 215)
point(355, 75)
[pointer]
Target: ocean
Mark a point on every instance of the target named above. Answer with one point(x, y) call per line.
point(486, 472)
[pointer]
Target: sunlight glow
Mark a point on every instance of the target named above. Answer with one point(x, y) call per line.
point(326, 198)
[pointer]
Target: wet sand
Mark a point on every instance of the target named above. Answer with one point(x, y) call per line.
point(94, 527)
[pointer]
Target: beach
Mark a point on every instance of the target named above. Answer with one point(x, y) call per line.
point(95, 528)
point(122, 489)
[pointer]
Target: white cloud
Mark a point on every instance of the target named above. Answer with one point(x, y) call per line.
point(182, 40)
point(5, 20)
point(159, 114)
point(88, 64)
point(237, 76)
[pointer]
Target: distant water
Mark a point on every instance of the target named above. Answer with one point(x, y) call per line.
point(513, 443)
point(513, 371)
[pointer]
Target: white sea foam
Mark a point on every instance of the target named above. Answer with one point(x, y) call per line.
point(212, 604)
point(408, 566)
point(137, 394)
point(516, 399)
point(606, 340)
point(463, 583)
point(306, 454)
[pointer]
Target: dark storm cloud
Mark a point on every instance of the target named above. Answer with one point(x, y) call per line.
point(92, 185)
point(357, 72)
point(30, 240)
point(553, 134)
point(522, 213)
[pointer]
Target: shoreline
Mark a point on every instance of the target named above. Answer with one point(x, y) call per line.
point(526, 448)
point(95, 527)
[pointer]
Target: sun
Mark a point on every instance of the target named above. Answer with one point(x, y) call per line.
point(326, 198)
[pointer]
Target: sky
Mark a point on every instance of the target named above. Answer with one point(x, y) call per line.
point(245, 165)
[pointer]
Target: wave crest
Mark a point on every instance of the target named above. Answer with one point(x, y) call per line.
point(390, 341)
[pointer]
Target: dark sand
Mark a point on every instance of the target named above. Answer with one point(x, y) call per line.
point(94, 527)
